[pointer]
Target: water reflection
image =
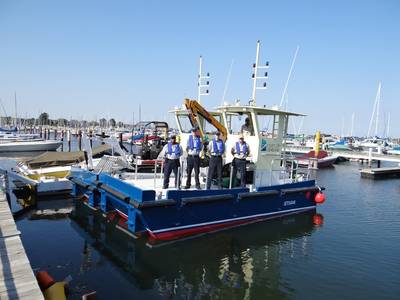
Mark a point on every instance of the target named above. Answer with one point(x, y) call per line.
point(239, 263)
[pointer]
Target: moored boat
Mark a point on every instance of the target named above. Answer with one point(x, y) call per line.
point(324, 160)
point(275, 187)
point(30, 146)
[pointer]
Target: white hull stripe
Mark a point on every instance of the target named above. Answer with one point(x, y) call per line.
point(234, 219)
point(125, 215)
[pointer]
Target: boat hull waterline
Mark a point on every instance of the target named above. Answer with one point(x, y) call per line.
point(186, 213)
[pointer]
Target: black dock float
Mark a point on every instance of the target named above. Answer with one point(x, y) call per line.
point(380, 173)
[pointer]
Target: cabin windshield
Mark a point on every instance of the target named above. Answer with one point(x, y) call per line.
point(184, 123)
point(269, 125)
point(236, 123)
point(207, 127)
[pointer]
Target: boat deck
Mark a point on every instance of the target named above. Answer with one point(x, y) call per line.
point(17, 280)
point(148, 182)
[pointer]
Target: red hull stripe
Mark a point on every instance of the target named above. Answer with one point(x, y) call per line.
point(176, 234)
point(263, 215)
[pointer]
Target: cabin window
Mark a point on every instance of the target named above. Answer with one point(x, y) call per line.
point(236, 123)
point(269, 125)
point(184, 123)
point(207, 127)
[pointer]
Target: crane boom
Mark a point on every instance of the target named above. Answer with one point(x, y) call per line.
point(195, 110)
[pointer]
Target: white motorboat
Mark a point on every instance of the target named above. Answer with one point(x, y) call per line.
point(28, 146)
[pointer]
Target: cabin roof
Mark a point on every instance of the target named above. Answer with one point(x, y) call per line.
point(256, 109)
point(183, 112)
point(241, 109)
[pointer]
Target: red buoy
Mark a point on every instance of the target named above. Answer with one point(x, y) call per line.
point(319, 198)
point(44, 279)
point(318, 219)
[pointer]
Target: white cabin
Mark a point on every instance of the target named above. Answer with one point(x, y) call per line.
point(266, 139)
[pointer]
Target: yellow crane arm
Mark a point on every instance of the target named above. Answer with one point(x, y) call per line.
point(195, 109)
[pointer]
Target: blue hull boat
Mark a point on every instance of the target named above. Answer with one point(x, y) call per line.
point(275, 185)
point(190, 212)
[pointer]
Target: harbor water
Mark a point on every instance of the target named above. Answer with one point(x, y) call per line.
point(354, 254)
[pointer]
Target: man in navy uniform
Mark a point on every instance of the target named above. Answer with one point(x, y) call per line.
point(194, 147)
point(247, 128)
point(240, 152)
point(216, 149)
point(172, 152)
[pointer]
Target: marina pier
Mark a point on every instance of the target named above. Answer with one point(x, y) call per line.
point(353, 155)
point(17, 280)
point(199, 150)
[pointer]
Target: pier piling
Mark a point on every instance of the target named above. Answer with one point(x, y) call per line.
point(90, 138)
point(69, 140)
point(62, 140)
point(80, 140)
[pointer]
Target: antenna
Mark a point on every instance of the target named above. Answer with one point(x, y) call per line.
point(203, 83)
point(288, 78)
point(256, 67)
point(228, 79)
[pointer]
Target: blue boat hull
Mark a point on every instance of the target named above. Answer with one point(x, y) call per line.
point(186, 213)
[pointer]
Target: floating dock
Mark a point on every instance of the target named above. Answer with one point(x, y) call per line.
point(362, 156)
point(17, 280)
point(380, 173)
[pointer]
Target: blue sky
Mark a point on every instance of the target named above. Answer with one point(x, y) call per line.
point(88, 59)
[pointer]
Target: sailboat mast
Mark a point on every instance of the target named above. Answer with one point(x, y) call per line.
point(228, 78)
point(352, 124)
point(388, 126)
point(342, 133)
point(288, 78)
point(378, 100)
point(16, 113)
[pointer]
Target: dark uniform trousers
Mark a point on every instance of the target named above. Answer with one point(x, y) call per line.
point(215, 166)
point(170, 165)
point(193, 162)
point(239, 165)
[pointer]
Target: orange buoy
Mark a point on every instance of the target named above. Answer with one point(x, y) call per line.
point(44, 279)
point(318, 219)
point(319, 198)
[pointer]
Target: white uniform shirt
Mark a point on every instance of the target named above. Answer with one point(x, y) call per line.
point(173, 155)
point(213, 151)
point(240, 155)
point(194, 151)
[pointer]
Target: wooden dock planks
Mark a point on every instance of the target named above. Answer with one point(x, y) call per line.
point(17, 280)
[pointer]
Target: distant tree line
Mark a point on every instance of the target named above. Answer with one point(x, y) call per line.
point(44, 120)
